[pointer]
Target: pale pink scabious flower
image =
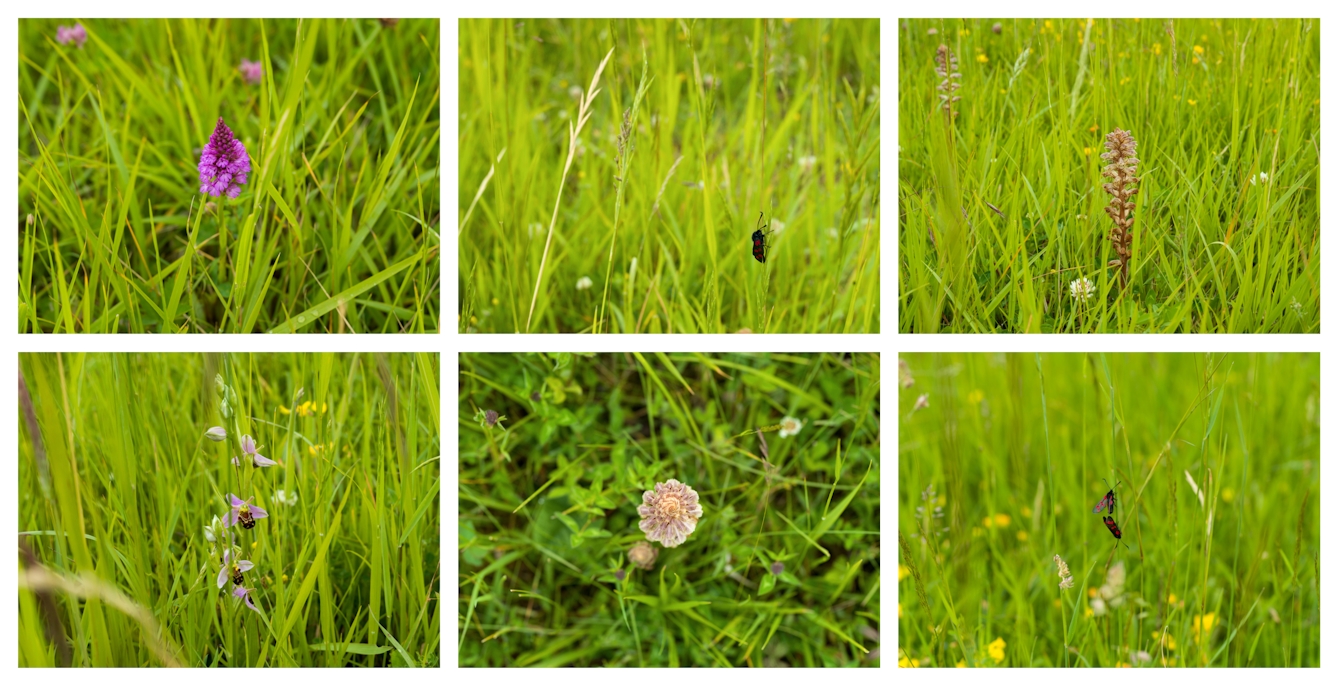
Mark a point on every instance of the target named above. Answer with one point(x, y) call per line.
point(251, 71)
point(643, 555)
point(669, 513)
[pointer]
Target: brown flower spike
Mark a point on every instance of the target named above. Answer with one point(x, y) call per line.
point(946, 68)
point(1121, 151)
point(669, 513)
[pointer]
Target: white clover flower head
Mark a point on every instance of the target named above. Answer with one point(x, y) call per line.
point(584, 283)
point(790, 426)
point(286, 498)
point(669, 513)
point(806, 162)
point(1261, 177)
point(1081, 289)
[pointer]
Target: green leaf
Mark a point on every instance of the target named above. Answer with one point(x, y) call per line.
point(359, 649)
point(768, 583)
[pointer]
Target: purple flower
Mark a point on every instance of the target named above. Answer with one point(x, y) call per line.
point(232, 569)
point(223, 163)
point(243, 512)
point(71, 34)
point(670, 513)
point(250, 451)
point(251, 71)
point(244, 594)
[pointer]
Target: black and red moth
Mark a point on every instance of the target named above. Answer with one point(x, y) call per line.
point(760, 240)
point(1114, 528)
point(1107, 501)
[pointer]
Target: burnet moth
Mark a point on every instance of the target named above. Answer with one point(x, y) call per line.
point(760, 240)
point(1114, 528)
point(1107, 501)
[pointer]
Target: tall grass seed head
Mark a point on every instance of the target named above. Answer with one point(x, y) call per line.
point(224, 165)
point(243, 513)
point(669, 514)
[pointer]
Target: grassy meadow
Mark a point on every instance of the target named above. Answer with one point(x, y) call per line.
point(612, 173)
point(335, 230)
point(783, 568)
point(122, 493)
point(1214, 462)
point(1002, 213)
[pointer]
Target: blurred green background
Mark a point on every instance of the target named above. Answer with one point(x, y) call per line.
point(1001, 461)
point(549, 496)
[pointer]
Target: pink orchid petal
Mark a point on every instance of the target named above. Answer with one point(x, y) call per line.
point(245, 565)
point(261, 461)
point(235, 501)
point(222, 576)
point(257, 512)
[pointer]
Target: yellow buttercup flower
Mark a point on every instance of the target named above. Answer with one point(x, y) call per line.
point(997, 649)
point(981, 58)
point(902, 572)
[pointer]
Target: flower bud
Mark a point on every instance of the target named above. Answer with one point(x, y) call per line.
point(219, 387)
point(216, 434)
point(224, 409)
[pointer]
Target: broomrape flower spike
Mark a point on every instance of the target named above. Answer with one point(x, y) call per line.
point(669, 513)
point(224, 165)
point(244, 513)
point(232, 569)
point(946, 68)
point(1121, 150)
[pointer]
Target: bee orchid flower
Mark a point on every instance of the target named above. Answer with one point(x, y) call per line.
point(244, 594)
point(250, 450)
point(243, 513)
point(232, 569)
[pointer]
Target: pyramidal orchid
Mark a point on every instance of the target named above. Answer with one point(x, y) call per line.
point(232, 569)
point(244, 513)
point(224, 164)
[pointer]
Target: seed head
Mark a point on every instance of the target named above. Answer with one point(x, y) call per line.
point(643, 555)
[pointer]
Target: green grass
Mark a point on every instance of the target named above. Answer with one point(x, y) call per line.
point(549, 497)
point(118, 482)
point(1219, 507)
point(1002, 209)
point(695, 129)
point(336, 230)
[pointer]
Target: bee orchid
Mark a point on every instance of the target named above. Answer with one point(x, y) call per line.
point(232, 569)
point(250, 450)
point(244, 594)
point(243, 513)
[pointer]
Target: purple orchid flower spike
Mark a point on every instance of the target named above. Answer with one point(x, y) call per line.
point(224, 165)
point(244, 513)
point(250, 450)
point(245, 594)
point(232, 569)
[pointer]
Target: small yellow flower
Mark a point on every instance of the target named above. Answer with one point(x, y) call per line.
point(898, 610)
point(1195, 60)
point(907, 662)
point(1026, 512)
point(1192, 102)
point(981, 58)
point(1228, 494)
point(964, 32)
point(1087, 151)
point(988, 521)
point(1122, 664)
point(1136, 20)
point(1170, 599)
point(942, 500)
point(997, 649)
point(1048, 24)
point(285, 578)
point(1198, 50)
point(1056, 603)
point(902, 572)
point(1156, 48)
point(1022, 535)
point(1003, 91)
point(975, 397)
point(1125, 80)
point(1002, 520)
point(1091, 592)
point(960, 664)
point(1092, 129)
point(1088, 612)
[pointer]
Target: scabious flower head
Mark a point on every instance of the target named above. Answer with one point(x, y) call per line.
point(71, 34)
point(643, 555)
point(251, 71)
point(216, 434)
point(232, 568)
point(790, 426)
point(224, 165)
point(243, 512)
point(669, 513)
point(250, 450)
